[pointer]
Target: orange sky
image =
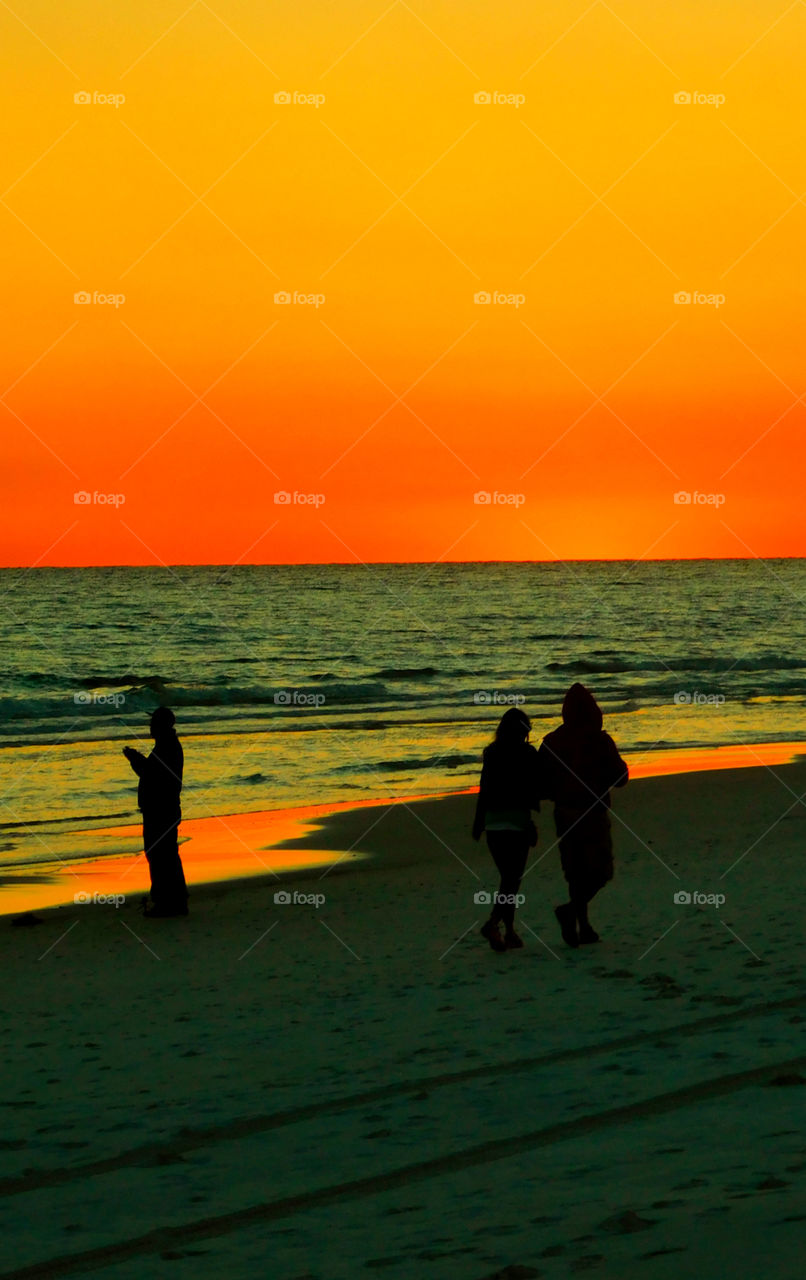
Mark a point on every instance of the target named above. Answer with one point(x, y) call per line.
point(586, 197)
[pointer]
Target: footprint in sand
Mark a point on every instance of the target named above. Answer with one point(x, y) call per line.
point(627, 1222)
point(515, 1271)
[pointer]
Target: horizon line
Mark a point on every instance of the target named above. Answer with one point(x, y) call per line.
point(364, 564)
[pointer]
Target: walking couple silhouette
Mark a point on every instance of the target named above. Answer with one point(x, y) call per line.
point(576, 766)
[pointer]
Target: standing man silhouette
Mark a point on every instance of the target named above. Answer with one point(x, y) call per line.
point(158, 792)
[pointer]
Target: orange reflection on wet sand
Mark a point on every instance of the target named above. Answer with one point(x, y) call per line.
point(657, 764)
point(226, 848)
point(249, 844)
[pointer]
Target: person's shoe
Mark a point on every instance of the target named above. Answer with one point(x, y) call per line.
point(492, 933)
point(566, 917)
point(512, 941)
point(587, 934)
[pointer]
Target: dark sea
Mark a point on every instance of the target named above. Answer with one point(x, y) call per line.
point(296, 685)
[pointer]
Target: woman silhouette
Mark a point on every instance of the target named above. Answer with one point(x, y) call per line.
point(509, 790)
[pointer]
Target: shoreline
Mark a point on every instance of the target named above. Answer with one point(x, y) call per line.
point(227, 850)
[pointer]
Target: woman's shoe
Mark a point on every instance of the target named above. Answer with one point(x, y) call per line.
point(492, 933)
point(566, 917)
point(512, 941)
point(587, 934)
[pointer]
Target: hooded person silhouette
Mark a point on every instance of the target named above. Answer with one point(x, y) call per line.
point(158, 793)
point(579, 763)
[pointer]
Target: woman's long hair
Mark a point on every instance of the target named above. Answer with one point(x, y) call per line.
point(512, 732)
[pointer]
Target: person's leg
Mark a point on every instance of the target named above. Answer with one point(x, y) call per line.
point(168, 888)
point(150, 838)
point(566, 912)
point(490, 929)
point(580, 897)
point(497, 847)
point(514, 865)
point(176, 893)
point(596, 868)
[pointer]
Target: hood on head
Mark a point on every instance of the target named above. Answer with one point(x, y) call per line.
point(580, 709)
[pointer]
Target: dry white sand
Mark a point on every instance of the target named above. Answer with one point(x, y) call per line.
point(364, 1086)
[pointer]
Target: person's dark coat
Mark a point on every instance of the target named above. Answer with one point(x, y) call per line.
point(160, 775)
point(510, 780)
point(579, 762)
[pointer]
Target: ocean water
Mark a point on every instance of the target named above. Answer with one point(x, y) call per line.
point(309, 684)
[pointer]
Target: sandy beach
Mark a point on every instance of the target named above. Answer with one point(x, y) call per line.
point(335, 1086)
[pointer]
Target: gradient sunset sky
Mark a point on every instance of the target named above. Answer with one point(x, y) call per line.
point(584, 194)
